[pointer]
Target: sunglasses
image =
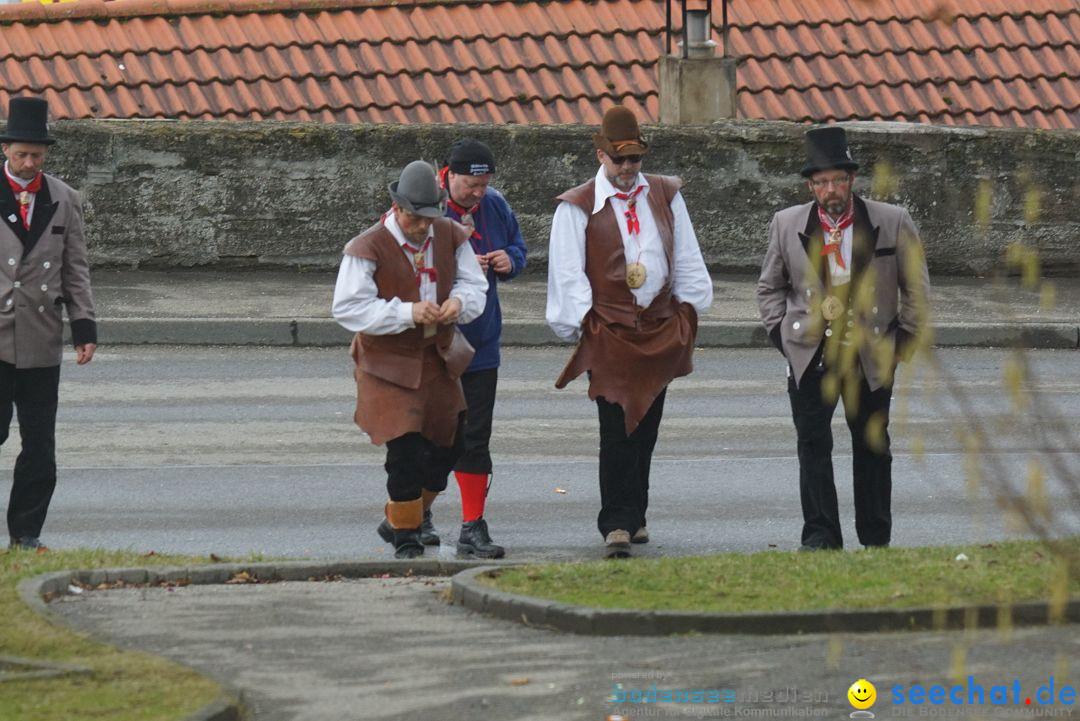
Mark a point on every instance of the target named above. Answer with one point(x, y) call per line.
point(620, 159)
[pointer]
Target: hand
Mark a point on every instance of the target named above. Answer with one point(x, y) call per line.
point(450, 311)
point(500, 261)
point(424, 312)
point(85, 353)
point(482, 259)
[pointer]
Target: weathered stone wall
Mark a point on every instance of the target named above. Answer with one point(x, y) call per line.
point(167, 193)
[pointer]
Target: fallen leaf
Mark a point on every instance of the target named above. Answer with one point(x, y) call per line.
point(560, 490)
point(519, 682)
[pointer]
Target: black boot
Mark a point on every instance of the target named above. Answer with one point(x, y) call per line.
point(407, 543)
point(475, 541)
point(428, 536)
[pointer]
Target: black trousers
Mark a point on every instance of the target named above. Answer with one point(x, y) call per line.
point(625, 461)
point(415, 464)
point(32, 392)
point(872, 462)
point(479, 387)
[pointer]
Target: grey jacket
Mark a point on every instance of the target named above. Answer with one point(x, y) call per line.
point(888, 274)
point(41, 271)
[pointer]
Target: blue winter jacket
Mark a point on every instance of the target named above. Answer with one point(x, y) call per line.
point(498, 229)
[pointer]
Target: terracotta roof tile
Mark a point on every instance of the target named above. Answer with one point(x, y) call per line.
point(991, 62)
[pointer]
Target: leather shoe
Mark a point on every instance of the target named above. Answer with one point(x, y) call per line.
point(26, 543)
point(476, 541)
point(428, 536)
point(641, 535)
point(618, 544)
point(407, 543)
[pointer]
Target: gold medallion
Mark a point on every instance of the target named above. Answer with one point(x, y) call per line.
point(635, 275)
point(832, 307)
point(467, 219)
point(836, 236)
point(24, 198)
point(418, 258)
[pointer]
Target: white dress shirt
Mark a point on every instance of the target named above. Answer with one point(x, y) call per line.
point(358, 308)
point(569, 295)
point(838, 275)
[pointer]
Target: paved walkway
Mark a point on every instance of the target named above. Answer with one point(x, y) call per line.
point(393, 648)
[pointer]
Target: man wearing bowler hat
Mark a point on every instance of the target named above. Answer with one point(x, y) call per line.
point(403, 286)
point(626, 280)
point(43, 257)
point(844, 295)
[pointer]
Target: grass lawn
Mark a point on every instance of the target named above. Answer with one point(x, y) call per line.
point(123, 686)
point(1006, 572)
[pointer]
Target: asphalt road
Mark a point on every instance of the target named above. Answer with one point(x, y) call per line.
point(248, 450)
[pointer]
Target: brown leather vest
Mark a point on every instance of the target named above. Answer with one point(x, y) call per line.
point(605, 257)
point(633, 352)
point(398, 358)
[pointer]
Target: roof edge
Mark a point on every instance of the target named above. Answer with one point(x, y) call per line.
point(106, 9)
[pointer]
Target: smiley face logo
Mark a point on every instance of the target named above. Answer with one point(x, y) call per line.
point(862, 694)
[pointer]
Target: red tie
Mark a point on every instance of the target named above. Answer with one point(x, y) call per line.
point(834, 233)
point(23, 196)
point(632, 224)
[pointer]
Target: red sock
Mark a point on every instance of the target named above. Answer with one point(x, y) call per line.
point(473, 491)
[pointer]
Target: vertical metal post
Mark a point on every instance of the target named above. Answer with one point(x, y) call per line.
point(725, 29)
point(685, 33)
point(667, 49)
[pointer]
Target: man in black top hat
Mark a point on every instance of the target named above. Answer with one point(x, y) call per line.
point(843, 293)
point(43, 269)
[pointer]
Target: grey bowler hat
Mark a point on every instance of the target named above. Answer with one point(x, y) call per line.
point(418, 191)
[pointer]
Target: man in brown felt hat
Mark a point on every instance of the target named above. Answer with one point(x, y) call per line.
point(626, 280)
point(843, 293)
point(45, 270)
point(403, 286)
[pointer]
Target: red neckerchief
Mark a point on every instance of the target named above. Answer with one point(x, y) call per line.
point(834, 232)
point(419, 255)
point(462, 212)
point(632, 224)
point(22, 195)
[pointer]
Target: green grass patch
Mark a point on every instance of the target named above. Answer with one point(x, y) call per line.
point(1007, 572)
point(123, 685)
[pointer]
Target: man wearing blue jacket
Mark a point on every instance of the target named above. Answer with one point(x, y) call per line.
point(497, 242)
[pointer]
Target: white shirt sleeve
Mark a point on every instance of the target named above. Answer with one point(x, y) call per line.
point(357, 306)
point(470, 285)
point(569, 294)
point(692, 282)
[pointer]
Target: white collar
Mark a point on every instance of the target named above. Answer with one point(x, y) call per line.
point(22, 183)
point(604, 189)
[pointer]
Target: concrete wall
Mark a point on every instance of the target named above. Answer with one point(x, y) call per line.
point(167, 193)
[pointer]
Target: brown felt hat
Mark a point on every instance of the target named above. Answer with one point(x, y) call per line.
point(619, 133)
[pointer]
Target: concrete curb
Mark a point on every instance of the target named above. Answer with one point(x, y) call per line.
point(322, 332)
point(469, 592)
point(230, 705)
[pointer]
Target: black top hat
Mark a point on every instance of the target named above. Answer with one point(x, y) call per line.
point(827, 148)
point(27, 122)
